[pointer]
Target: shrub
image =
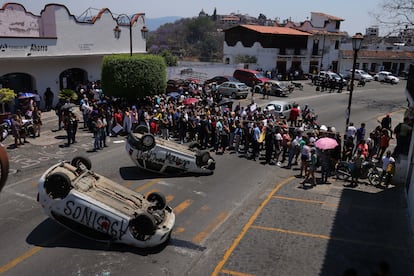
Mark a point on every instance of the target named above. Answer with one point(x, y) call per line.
point(6, 95)
point(65, 94)
point(133, 77)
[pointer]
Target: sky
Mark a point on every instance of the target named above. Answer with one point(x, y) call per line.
point(354, 12)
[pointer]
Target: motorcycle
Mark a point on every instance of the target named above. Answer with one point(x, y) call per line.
point(369, 171)
point(5, 129)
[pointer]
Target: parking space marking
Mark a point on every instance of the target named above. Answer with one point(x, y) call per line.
point(151, 191)
point(147, 185)
point(246, 227)
point(210, 227)
point(305, 200)
point(182, 206)
point(230, 272)
point(325, 237)
point(169, 198)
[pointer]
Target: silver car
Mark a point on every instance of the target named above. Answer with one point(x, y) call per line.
point(279, 108)
point(234, 89)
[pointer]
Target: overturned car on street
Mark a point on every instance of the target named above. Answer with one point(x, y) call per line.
point(96, 207)
point(162, 156)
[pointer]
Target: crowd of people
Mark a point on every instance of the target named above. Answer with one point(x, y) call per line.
point(248, 130)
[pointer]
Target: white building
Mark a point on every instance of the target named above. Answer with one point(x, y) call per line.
point(57, 50)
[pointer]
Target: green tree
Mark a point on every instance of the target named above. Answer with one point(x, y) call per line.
point(133, 77)
point(68, 94)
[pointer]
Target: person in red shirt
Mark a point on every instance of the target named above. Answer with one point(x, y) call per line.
point(363, 146)
point(384, 143)
point(154, 126)
point(294, 115)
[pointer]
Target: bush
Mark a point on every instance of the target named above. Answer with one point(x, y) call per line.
point(66, 94)
point(133, 77)
point(6, 95)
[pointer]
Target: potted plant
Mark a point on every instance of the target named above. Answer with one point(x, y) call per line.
point(6, 96)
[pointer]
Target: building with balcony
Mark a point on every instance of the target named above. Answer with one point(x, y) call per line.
point(59, 50)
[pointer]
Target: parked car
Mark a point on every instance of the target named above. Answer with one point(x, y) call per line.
point(329, 76)
point(154, 154)
point(233, 89)
point(279, 108)
point(98, 208)
point(386, 76)
point(359, 75)
point(277, 88)
point(249, 77)
point(220, 79)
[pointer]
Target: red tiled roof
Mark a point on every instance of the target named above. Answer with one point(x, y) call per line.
point(330, 17)
point(274, 30)
point(381, 54)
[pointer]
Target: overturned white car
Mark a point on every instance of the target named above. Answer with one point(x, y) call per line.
point(167, 157)
point(98, 208)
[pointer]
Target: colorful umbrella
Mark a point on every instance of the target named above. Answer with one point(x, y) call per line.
point(26, 95)
point(190, 101)
point(326, 143)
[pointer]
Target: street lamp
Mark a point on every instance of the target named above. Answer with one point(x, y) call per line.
point(125, 20)
point(120, 20)
point(356, 46)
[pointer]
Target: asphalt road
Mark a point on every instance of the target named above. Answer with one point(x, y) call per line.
point(246, 219)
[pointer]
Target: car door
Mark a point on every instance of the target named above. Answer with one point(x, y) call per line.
point(224, 88)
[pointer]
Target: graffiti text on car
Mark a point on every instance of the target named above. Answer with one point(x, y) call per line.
point(95, 220)
point(173, 159)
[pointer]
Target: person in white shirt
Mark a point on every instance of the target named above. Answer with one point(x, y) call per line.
point(351, 130)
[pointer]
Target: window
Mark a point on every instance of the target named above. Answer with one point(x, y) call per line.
point(337, 44)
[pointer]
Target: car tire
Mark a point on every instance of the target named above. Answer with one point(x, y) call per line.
point(57, 185)
point(233, 95)
point(202, 158)
point(141, 129)
point(158, 199)
point(148, 141)
point(78, 160)
point(142, 225)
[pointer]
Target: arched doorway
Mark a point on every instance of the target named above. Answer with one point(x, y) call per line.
point(71, 78)
point(19, 82)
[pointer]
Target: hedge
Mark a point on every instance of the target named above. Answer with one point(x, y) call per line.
point(133, 77)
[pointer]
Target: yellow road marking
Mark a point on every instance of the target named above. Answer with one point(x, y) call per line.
point(128, 184)
point(178, 230)
point(152, 191)
point(246, 227)
point(305, 200)
point(209, 228)
point(182, 206)
point(169, 198)
point(325, 237)
point(147, 185)
point(235, 273)
point(20, 259)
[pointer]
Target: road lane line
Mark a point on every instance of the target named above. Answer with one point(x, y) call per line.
point(20, 259)
point(325, 237)
point(305, 200)
point(151, 191)
point(147, 185)
point(246, 227)
point(182, 206)
point(209, 228)
point(178, 230)
point(169, 198)
point(236, 273)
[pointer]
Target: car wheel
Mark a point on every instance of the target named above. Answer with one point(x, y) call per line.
point(233, 95)
point(81, 160)
point(142, 225)
point(158, 199)
point(57, 185)
point(134, 141)
point(141, 129)
point(202, 158)
point(148, 141)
